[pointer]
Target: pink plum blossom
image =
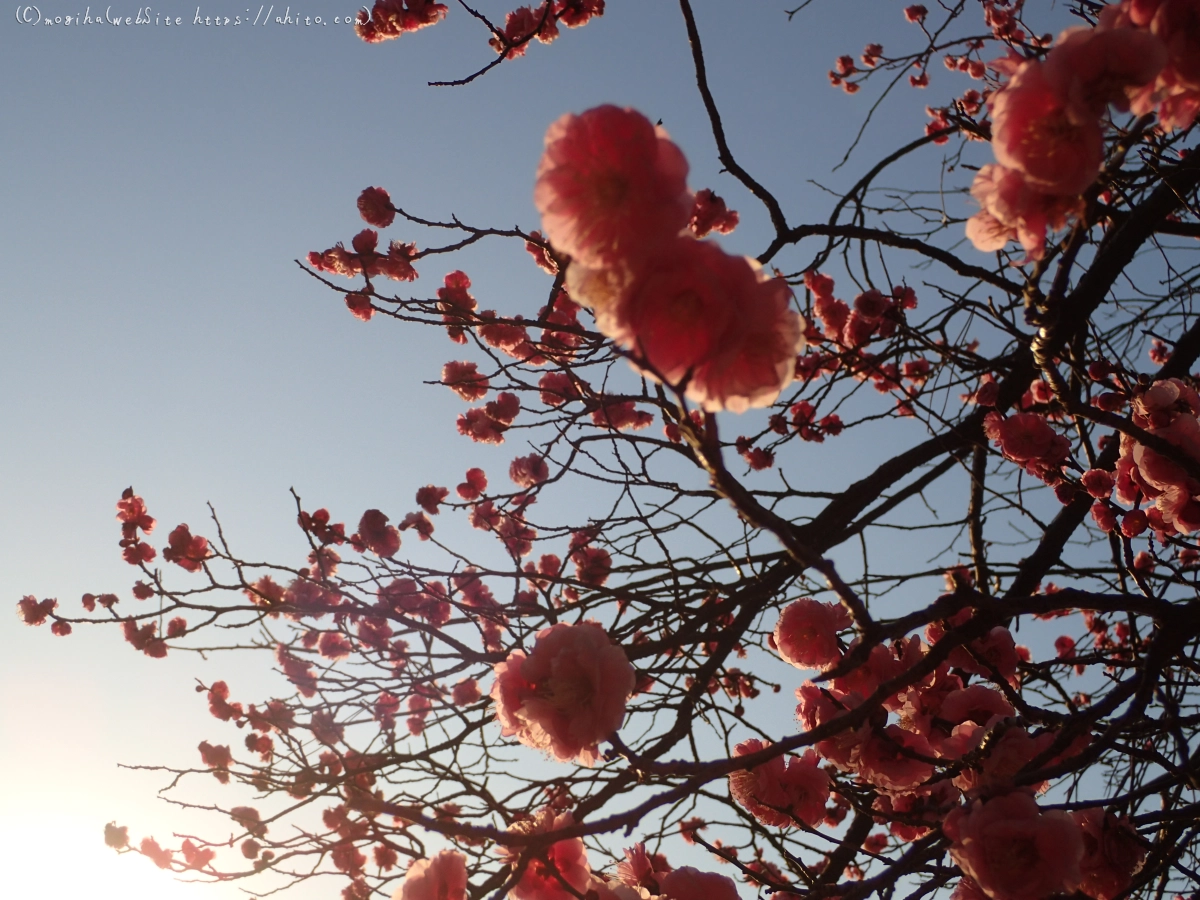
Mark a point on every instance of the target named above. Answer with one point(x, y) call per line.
point(783, 789)
point(697, 318)
point(1175, 93)
point(880, 665)
point(1167, 409)
point(528, 471)
point(1094, 67)
point(807, 633)
point(1112, 854)
point(686, 883)
point(1034, 132)
point(889, 760)
point(757, 360)
point(709, 213)
point(568, 694)
point(920, 709)
point(444, 877)
point(967, 889)
point(819, 706)
point(1013, 850)
point(1098, 483)
point(977, 703)
point(1027, 438)
point(641, 869)
point(564, 860)
point(1008, 749)
point(611, 186)
point(375, 206)
point(465, 692)
point(465, 380)
point(1013, 209)
point(678, 310)
point(912, 814)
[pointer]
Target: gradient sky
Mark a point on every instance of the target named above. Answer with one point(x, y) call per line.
point(157, 184)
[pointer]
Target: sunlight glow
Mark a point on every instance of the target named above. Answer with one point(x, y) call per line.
point(68, 858)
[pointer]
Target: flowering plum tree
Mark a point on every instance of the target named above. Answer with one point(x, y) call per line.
point(595, 700)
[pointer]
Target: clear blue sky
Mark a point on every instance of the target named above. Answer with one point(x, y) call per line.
point(157, 184)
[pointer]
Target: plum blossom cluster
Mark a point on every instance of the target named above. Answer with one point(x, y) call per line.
point(1027, 439)
point(612, 191)
point(525, 24)
point(956, 752)
point(1012, 850)
point(563, 872)
point(558, 342)
point(388, 19)
point(842, 341)
point(1167, 409)
point(781, 792)
point(569, 693)
point(1048, 118)
point(364, 259)
point(1174, 92)
point(846, 67)
point(565, 697)
point(184, 549)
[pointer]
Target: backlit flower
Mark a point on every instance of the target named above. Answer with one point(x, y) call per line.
point(1013, 850)
point(1034, 132)
point(806, 634)
point(611, 186)
point(564, 860)
point(783, 789)
point(568, 694)
point(443, 877)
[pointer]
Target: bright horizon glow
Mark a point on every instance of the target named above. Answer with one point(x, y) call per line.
point(68, 858)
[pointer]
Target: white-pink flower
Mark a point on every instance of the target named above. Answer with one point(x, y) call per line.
point(782, 790)
point(444, 877)
point(807, 633)
point(1014, 209)
point(568, 694)
point(888, 760)
point(699, 319)
point(611, 186)
point(1094, 67)
point(1034, 132)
